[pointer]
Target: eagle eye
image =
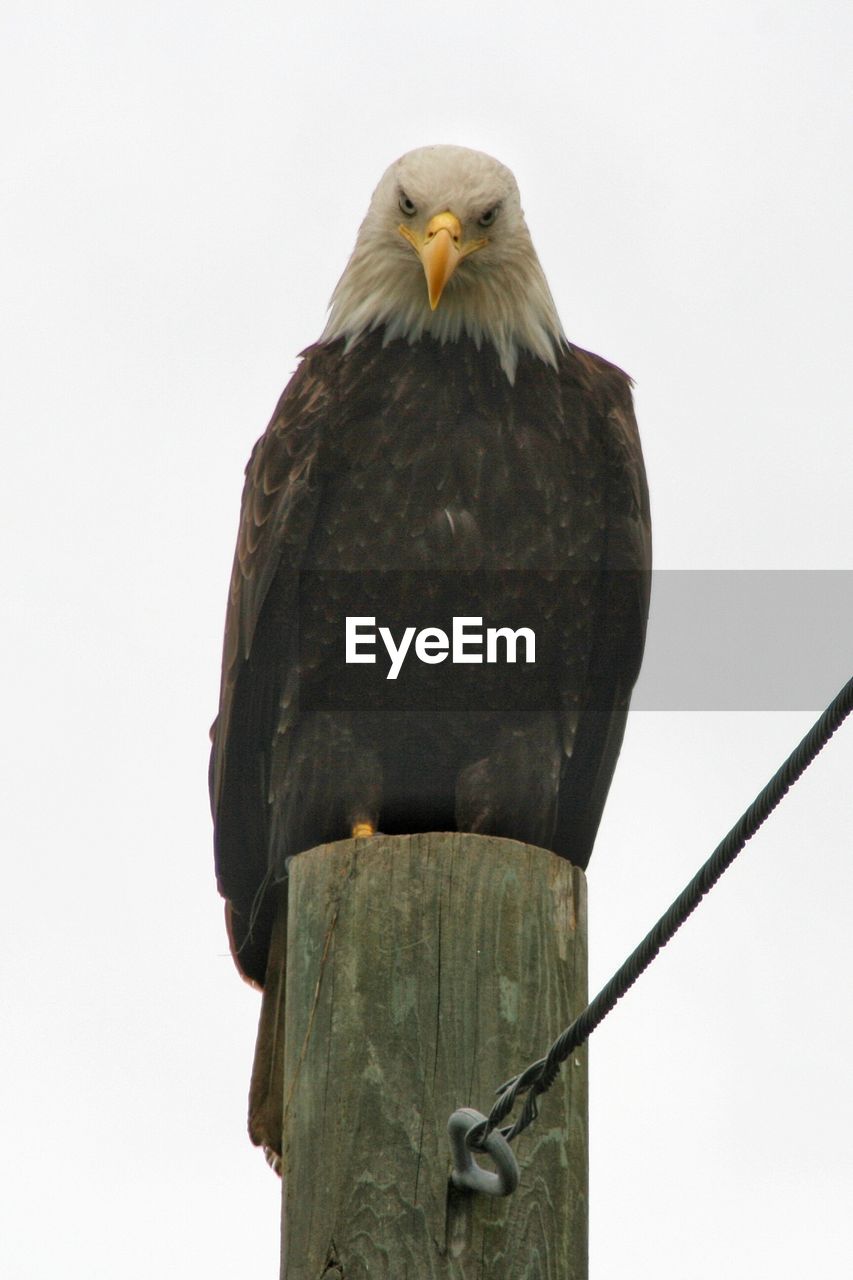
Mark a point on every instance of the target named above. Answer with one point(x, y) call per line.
point(486, 219)
point(407, 206)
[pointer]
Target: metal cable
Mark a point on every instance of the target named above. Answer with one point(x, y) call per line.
point(540, 1075)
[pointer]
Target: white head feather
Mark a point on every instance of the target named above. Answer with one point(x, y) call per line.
point(497, 294)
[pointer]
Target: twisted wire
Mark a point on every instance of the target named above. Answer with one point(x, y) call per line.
point(540, 1075)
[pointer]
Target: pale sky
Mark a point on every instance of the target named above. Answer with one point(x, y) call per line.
point(181, 188)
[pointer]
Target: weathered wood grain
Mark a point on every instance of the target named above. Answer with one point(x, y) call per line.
point(422, 971)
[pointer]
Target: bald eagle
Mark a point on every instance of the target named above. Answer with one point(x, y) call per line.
point(442, 453)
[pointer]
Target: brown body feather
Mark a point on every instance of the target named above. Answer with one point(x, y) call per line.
point(412, 483)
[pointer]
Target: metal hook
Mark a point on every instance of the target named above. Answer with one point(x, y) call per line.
point(466, 1172)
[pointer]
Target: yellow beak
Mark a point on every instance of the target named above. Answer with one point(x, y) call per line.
point(440, 251)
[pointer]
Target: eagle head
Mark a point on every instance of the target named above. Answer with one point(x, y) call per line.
point(444, 250)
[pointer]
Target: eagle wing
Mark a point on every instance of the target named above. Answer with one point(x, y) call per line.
point(621, 612)
point(278, 511)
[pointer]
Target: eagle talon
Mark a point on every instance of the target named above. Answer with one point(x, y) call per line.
point(362, 829)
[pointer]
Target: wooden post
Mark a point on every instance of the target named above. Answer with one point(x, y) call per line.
point(421, 972)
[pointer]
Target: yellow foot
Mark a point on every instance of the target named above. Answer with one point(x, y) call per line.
point(361, 829)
